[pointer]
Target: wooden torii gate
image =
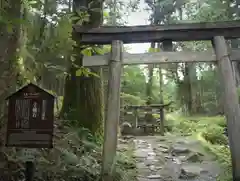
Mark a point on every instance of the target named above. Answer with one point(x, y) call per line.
point(116, 36)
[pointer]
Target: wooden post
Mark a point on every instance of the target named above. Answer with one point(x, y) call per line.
point(113, 111)
point(231, 104)
point(135, 114)
point(105, 73)
point(161, 112)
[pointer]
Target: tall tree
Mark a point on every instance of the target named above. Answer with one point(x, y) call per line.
point(234, 13)
point(149, 85)
point(10, 28)
point(83, 95)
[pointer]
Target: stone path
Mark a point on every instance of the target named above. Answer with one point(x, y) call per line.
point(173, 158)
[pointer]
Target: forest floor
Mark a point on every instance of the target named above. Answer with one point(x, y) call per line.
point(173, 158)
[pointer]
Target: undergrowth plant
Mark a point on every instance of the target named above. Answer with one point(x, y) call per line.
point(208, 130)
point(76, 156)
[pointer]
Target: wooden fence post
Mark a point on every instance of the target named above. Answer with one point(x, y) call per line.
point(231, 104)
point(135, 113)
point(105, 74)
point(113, 111)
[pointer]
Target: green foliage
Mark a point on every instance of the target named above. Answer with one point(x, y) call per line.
point(79, 17)
point(76, 155)
point(90, 51)
point(85, 72)
point(153, 50)
point(128, 99)
point(238, 92)
point(208, 130)
point(133, 81)
point(45, 57)
point(214, 134)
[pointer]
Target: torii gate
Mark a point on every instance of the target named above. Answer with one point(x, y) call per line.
point(116, 36)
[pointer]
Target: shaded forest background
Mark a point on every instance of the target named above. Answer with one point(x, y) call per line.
point(37, 46)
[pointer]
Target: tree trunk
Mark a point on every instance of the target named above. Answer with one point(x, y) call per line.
point(105, 74)
point(235, 42)
point(161, 101)
point(236, 65)
point(188, 89)
point(190, 86)
point(150, 80)
point(219, 97)
point(9, 43)
point(83, 95)
point(231, 105)
point(193, 86)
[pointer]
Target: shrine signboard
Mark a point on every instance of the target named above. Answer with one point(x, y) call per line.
point(30, 118)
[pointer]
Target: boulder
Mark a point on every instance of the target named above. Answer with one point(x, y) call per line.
point(194, 157)
point(190, 171)
point(163, 146)
point(161, 150)
point(140, 154)
point(178, 149)
point(154, 177)
point(177, 161)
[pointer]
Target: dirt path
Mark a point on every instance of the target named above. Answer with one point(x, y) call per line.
point(173, 158)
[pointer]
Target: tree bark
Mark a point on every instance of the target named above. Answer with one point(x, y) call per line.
point(150, 80)
point(236, 65)
point(188, 90)
point(9, 46)
point(9, 43)
point(231, 105)
point(190, 86)
point(83, 95)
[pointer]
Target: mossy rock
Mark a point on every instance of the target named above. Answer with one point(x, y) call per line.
point(194, 157)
